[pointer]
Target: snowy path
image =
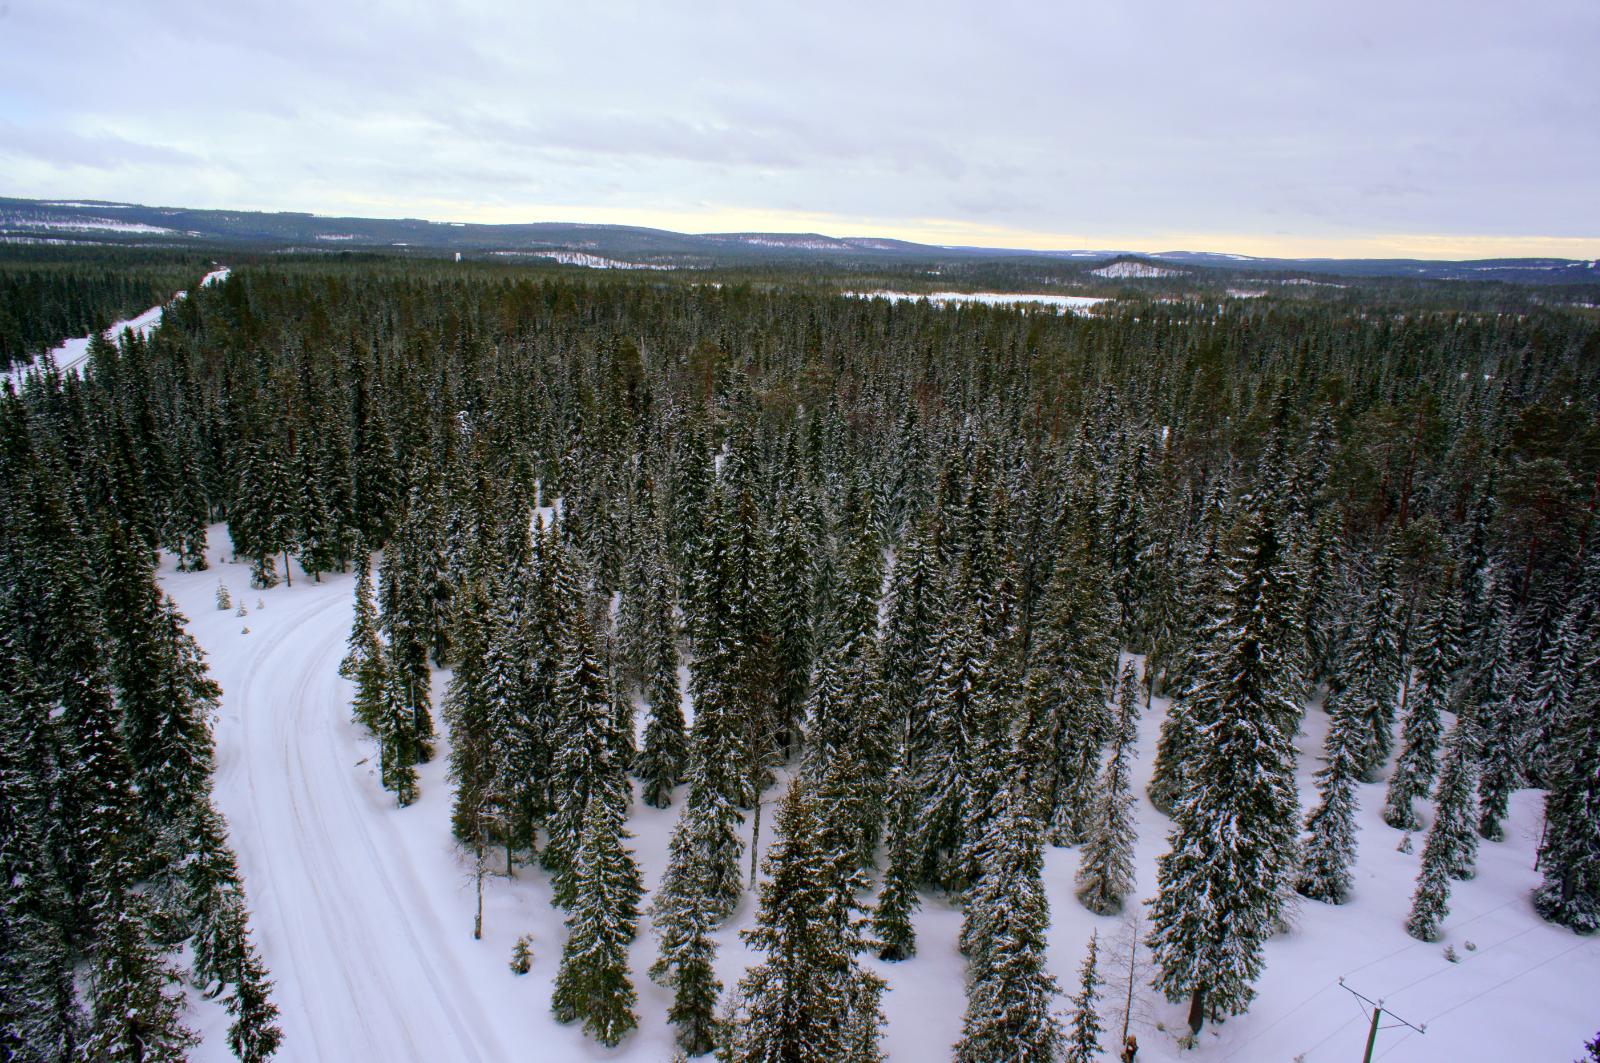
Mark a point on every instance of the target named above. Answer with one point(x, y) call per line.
point(358, 952)
point(363, 911)
point(71, 354)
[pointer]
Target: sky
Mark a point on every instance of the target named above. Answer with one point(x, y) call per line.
point(1402, 128)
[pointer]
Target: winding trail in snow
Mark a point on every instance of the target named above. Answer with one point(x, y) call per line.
point(71, 354)
point(361, 959)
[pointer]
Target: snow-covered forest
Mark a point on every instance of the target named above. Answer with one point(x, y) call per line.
point(406, 660)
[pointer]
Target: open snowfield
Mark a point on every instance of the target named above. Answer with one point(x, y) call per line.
point(70, 354)
point(363, 911)
point(1069, 303)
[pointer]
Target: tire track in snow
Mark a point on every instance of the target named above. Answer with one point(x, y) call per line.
point(329, 860)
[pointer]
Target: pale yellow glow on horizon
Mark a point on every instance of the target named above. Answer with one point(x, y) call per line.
point(949, 231)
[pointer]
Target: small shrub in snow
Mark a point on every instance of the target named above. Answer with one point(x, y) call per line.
point(1471, 946)
point(522, 955)
point(241, 611)
point(1405, 843)
point(245, 630)
point(223, 601)
point(1450, 954)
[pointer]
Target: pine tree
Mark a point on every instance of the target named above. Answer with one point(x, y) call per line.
point(1418, 764)
point(809, 998)
point(1219, 903)
point(1105, 874)
point(1329, 849)
point(593, 983)
point(1083, 1043)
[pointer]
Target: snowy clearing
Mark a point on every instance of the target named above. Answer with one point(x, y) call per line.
point(1058, 302)
point(364, 911)
point(1136, 271)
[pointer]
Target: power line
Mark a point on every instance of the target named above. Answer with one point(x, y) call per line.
point(1377, 1014)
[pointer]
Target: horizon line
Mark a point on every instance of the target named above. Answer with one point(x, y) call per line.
point(935, 233)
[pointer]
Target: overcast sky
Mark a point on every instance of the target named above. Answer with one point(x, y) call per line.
point(1402, 127)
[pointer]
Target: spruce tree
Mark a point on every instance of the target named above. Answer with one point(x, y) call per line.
point(1329, 848)
point(898, 899)
point(1083, 1042)
point(593, 983)
point(1455, 805)
point(40, 1020)
point(136, 1019)
point(1417, 767)
point(1219, 903)
point(963, 721)
point(809, 998)
point(1105, 873)
point(684, 914)
point(585, 769)
point(1569, 855)
point(1010, 991)
point(396, 732)
point(1501, 731)
point(1371, 676)
point(661, 763)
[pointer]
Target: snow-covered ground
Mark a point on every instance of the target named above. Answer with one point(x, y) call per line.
point(1136, 271)
point(71, 354)
point(81, 224)
point(364, 911)
point(1059, 302)
point(583, 258)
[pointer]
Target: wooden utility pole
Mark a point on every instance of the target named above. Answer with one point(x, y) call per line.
point(1377, 1014)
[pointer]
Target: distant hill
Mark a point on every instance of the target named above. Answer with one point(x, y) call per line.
point(34, 221)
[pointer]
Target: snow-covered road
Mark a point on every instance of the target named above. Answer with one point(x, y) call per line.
point(70, 354)
point(364, 911)
point(363, 967)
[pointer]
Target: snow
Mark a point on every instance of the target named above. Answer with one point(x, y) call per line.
point(364, 911)
point(1136, 271)
point(70, 354)
point(1059, 302)
point(580, 258)
point(82, 225)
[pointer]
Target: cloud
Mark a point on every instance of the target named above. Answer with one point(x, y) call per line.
point(64, 149)
point(1236, 120)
